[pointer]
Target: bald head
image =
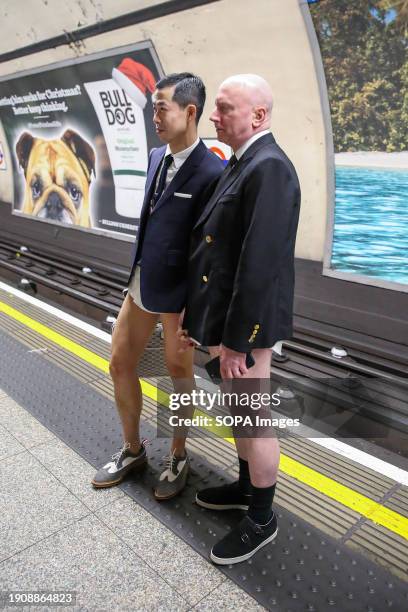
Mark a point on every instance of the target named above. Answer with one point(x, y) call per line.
point(243, 108)
point(254, 87)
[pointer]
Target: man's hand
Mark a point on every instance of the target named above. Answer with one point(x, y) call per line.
point(232, 363)
point(185, 340)
point(182, 335)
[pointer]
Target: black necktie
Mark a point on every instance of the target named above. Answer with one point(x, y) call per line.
point(168, 160)
point(224, 176)
point(232, 161)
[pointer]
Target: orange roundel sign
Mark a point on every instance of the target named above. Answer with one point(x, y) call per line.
point(218, 152)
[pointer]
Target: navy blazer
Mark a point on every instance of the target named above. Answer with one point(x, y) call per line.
point(164, 234)
point(241, 270)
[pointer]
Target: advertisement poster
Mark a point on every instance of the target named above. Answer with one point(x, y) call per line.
point(79, 136)
point(363, 48)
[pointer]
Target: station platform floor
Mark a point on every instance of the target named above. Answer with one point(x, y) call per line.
point(343, 520)
point(60, 534)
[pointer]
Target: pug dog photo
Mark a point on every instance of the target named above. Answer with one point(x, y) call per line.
point(58, 175)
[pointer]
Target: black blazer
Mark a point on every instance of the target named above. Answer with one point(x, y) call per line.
point(164, 235)
point(241, 269)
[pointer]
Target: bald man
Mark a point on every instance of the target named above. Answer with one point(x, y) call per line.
point(240, 293)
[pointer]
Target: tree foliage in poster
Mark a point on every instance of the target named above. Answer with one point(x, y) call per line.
point(364, 50)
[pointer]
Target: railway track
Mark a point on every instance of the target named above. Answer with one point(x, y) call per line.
point(309, 358)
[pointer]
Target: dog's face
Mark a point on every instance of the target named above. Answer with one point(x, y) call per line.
point(58, 174)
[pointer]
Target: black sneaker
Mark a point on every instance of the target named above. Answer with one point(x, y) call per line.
point(226, 497)
point(122, 462)
point(243, 541)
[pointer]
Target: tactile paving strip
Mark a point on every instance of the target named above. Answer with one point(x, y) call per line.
point(151, 364)
point(301, 570)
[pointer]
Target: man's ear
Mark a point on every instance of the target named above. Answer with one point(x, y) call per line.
point(192, 112)
point(82, 149)
point(259, 115)
point(23, 149)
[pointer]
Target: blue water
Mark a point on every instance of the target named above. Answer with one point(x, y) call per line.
point(371, 223)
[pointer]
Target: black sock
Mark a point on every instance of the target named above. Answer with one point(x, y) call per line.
point(244, 481)
point(260, 510)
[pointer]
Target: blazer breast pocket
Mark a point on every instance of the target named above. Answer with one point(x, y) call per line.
point(228, 199)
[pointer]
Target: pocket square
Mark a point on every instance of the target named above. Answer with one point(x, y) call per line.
point(183, 195)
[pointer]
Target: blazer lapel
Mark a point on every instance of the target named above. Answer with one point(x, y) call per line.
point(227, 179)
point(187, 169)
point(155, 163)
point(150, 183)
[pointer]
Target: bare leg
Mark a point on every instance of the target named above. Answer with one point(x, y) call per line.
point(261, 453)
point(259, 459)
point(130, 336)
point(180, 367)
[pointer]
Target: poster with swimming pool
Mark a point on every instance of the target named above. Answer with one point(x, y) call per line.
point(363, 49)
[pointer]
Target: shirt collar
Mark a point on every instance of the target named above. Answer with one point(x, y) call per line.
point(180, 157)
point(239, 152)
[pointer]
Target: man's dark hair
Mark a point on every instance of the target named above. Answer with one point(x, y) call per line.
point(189, 90)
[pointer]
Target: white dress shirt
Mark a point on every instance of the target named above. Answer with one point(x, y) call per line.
point(178, 160)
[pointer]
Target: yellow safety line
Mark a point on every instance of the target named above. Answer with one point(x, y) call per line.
point(393, 521)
